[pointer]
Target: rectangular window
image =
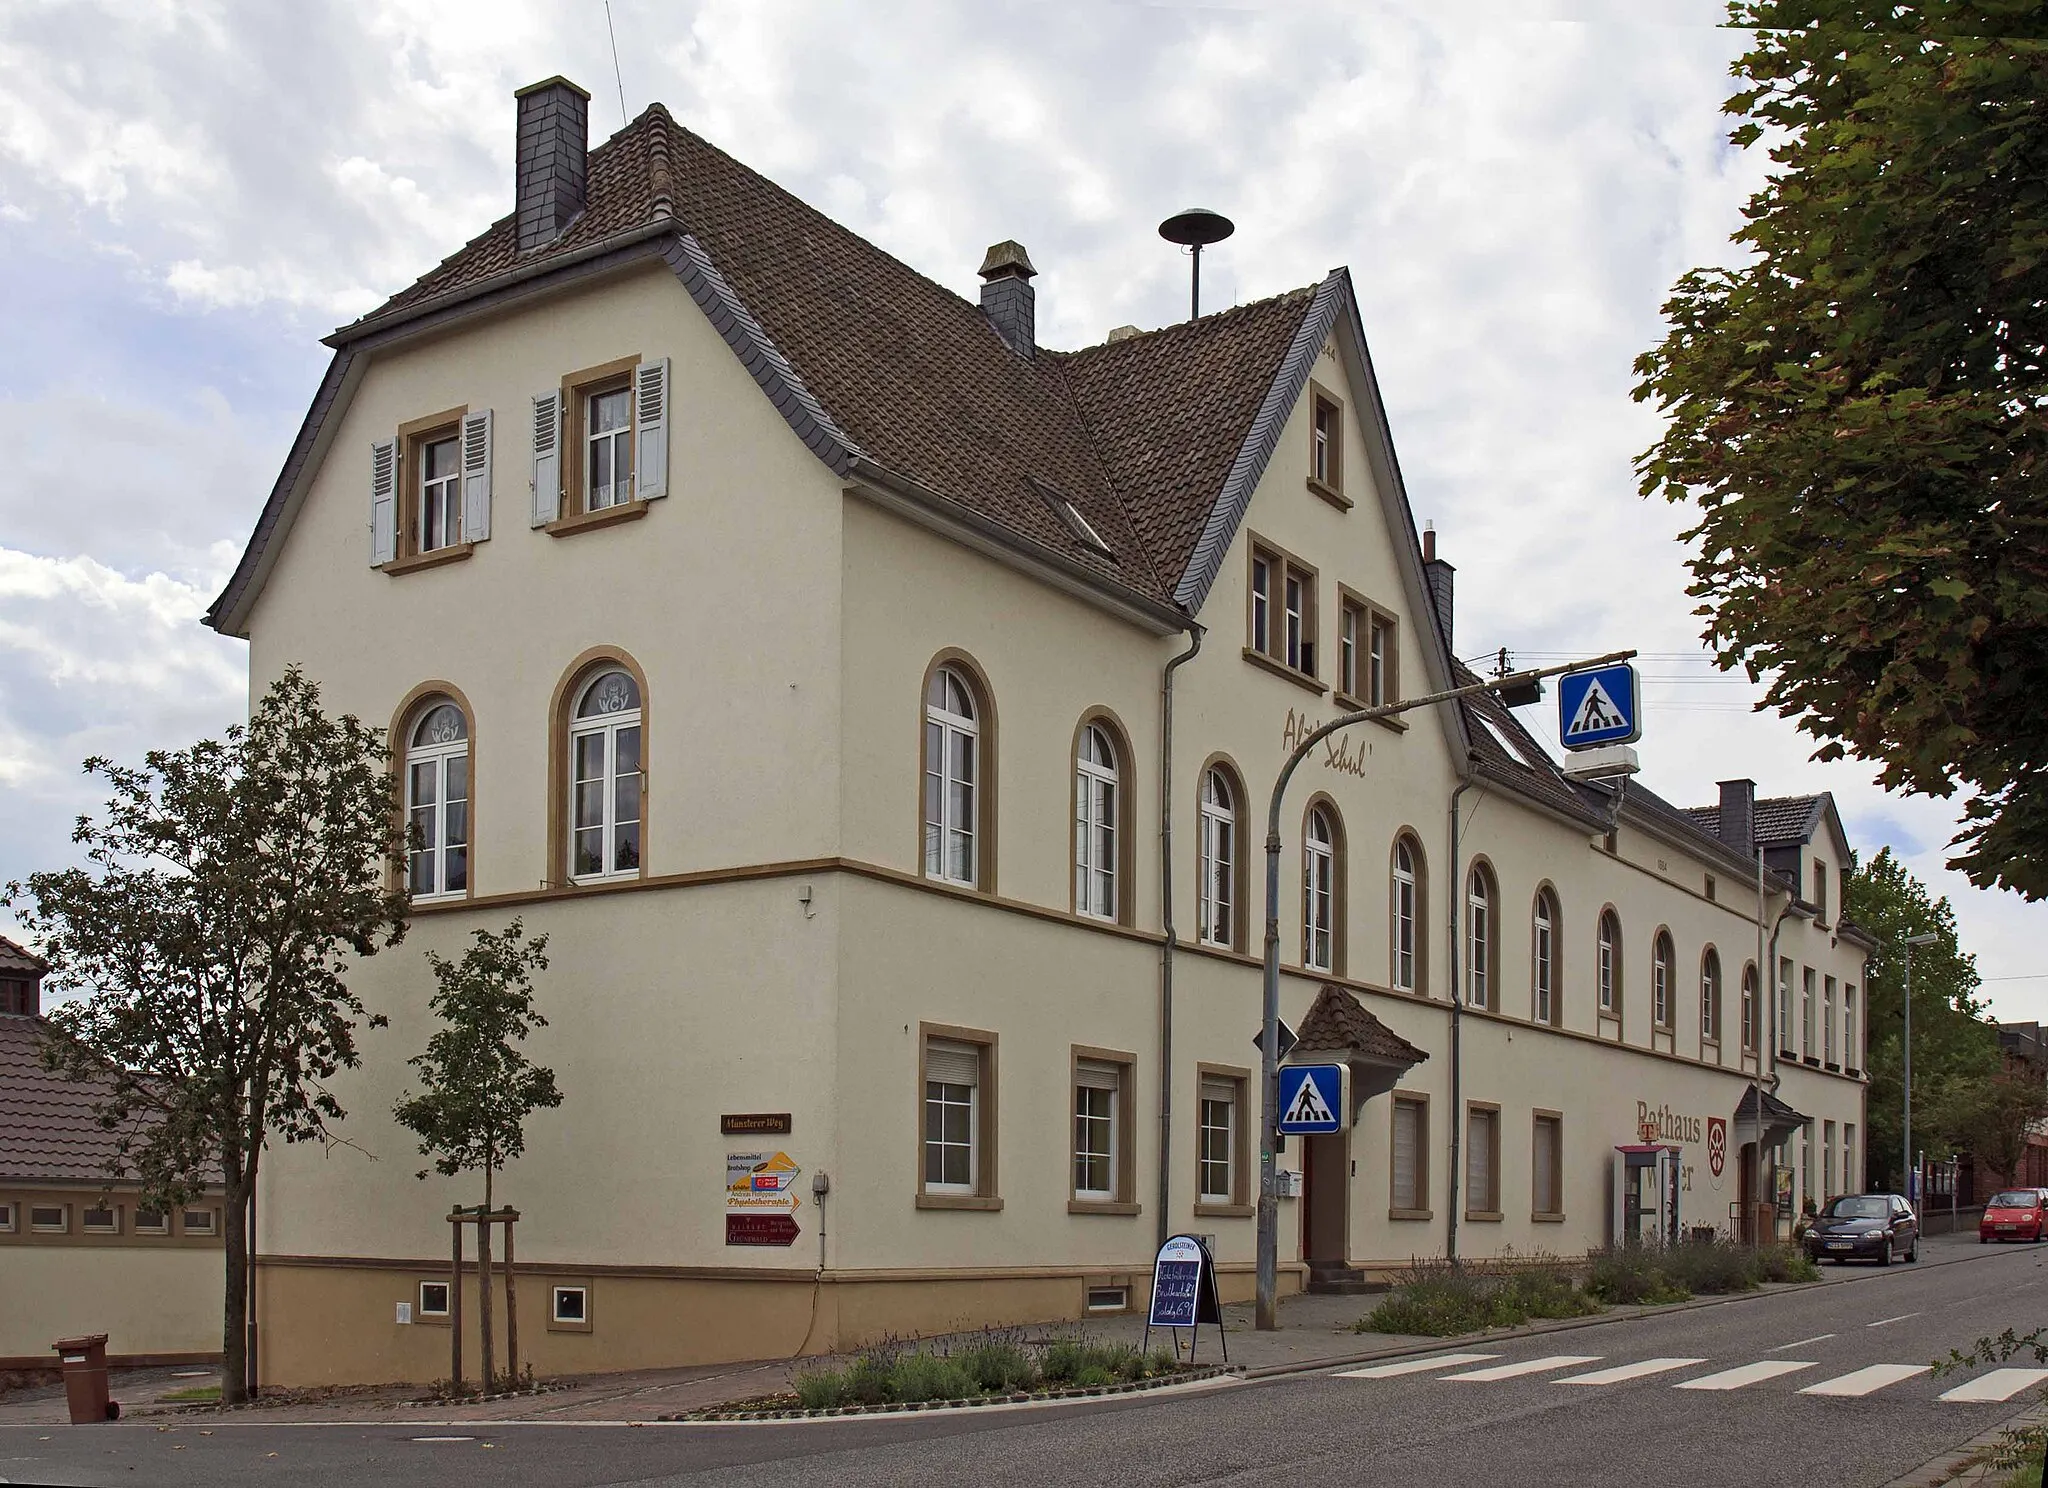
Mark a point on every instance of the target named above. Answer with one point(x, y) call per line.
point(433, 1299)
point(152, 1221)
point(1711, 886)
point(1408, 1158)
point(1217, 1159)
point(50, 1219)
point(438, 502)
point(1827, 1158)
point(1827, 1009)
point(1852, 1051)
point(6, 1219)
point(100, 1219)
point(200, 1222)
point(1350, 627)
point(957, 1125)
point(1381, 662)
point(1283, 610)
point(1547, 1169)
point(1820, 894)
point(1785, 1039)
point(608, 448)
point(1805, 1162)
point(1482, 1162)
point(1109, 1299)
point(1326, 446)
point(1810, 1042)
point(571, 1304)
point(1098, 1089)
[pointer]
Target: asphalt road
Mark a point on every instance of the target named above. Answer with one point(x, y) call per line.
point(1633, 1422)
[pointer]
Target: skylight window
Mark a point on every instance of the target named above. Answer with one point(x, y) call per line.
point(1070, 517)
point(1514, 750)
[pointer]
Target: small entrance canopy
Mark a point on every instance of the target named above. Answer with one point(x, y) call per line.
point(1779, 1120)
point(1338, 1025)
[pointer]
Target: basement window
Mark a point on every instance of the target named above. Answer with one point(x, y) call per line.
point(571, 1308)
point(1109, 1299)
point(433, 1299)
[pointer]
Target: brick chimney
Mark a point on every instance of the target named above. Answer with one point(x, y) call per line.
point(1007, 298)
point(553, 159)
point(1738, 815)
point(1440, 576)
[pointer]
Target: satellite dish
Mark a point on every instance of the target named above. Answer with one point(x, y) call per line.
point(1196, 228)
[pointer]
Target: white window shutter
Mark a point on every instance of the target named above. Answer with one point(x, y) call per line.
point(650, 418)
point(547, 458)
point(383, 501)
point(476, 476)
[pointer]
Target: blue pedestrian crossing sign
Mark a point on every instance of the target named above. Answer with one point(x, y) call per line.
point(1311, 1099)
point(1598, 706)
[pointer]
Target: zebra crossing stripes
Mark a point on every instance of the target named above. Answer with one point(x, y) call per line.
point(1745, 1374)
point(1998, 1385)
point(1866, 1381)
point(1526, 1366)
point(1622, 1373)
point(1414, 1366)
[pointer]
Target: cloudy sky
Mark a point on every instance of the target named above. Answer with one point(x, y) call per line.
point(193, 191)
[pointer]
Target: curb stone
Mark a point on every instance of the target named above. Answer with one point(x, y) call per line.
point(1072, 1392)
point(1957, 1465)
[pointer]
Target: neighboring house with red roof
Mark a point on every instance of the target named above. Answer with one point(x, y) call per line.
point(78, 1252)
point(790, 637)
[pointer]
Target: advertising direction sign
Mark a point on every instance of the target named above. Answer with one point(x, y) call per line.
point(1599, 706)
point(1311, 1099)
point(1184, 1292)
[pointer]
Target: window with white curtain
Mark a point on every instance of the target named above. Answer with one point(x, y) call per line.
point(437, 802)
point(605, 778)
point(1216, 890)
point(1319, 891)
point(952, 779)
point(1096, 786)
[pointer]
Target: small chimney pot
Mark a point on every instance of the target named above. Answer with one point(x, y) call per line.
point(1441, 577)
point(1738, 816)
point(553, 160)
point(1007, 298)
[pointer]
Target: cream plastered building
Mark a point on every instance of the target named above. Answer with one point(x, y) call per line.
point(796, 643)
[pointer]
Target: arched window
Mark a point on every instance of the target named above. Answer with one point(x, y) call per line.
point(1479, 937)
point(1097, 802)
point(1610, 962)
point(437, 801)
point(605, 776)
point(952, 779)
point(1319, 890)
point(1710, 995)
point(1749, 1028)
point(1661, 958)
point(1216, 891)
point(1406, 911)
point(1543, 958)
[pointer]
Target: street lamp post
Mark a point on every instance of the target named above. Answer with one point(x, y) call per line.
point(1269, 1039)
point(1906, 1063)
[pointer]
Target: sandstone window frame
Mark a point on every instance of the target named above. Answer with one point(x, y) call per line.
point(1408, 914)
point(1663, 979)
point(1087, 1066)
point(1326, 446)
point(1546, 1138)
point(569, 690)
point(1325, 887)
point(1090, 778)
point(1416, 1102)
point(1236, 1081)
point(1482, 936)
point(1221, 825)
point(1546, 960)
point(1710, 996)
point(1609, 963)
point(981, 1191)
point(1280, 613)
point(412, 713)
point(1482, 1160)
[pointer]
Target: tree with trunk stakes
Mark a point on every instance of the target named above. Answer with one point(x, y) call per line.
point(477, 1087)
point(207, 943)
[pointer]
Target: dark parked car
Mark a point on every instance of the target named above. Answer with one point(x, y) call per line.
point(2014, 1214)
point(1873, 1227)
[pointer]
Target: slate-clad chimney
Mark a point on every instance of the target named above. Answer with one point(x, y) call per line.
point(554, 153)
point(1440, 575)
point(1007, 298)
point(1738, 815)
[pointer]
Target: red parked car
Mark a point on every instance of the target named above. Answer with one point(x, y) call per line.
point(2014, 1214)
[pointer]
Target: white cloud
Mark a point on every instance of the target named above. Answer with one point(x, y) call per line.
point(1514, 185)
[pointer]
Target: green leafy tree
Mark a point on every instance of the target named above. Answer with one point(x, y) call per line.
point(1992, 1116)
point(477, 1087)
point(1859, 408)
point(208, 941)
point(1951, 1043)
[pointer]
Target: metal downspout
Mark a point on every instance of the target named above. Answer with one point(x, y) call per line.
point(1169, 940)
point(1456, 889)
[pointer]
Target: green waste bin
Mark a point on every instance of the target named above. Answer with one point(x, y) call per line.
point(85, 1379)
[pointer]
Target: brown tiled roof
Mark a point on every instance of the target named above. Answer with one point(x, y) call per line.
point(19, 958)
point(1524, 764)
point(1138, 435)
point(1338, 1020)
point(1781, 821)
point(47, 1128)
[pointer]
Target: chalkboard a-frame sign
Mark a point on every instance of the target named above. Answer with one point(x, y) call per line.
point(1184, 1293)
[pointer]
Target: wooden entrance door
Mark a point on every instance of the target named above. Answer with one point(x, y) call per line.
point(1325, 1197)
